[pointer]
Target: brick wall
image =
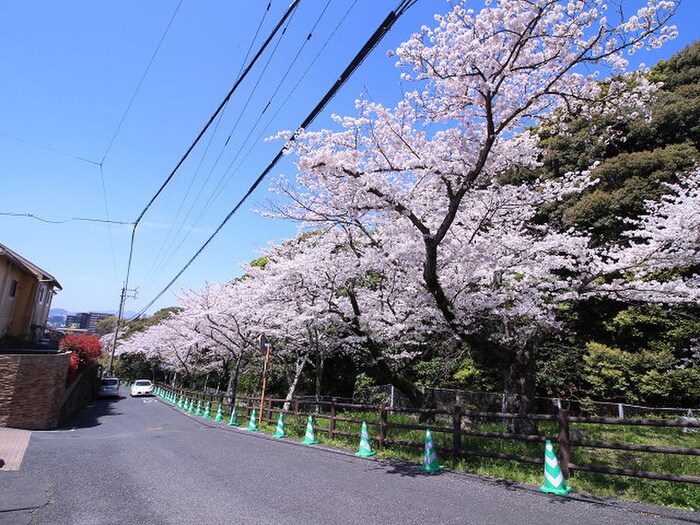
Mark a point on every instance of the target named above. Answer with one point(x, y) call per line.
point(31, 389)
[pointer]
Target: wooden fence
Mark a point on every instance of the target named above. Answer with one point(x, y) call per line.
point(453, 423)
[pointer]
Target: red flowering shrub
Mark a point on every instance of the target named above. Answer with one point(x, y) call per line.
point(86, 350)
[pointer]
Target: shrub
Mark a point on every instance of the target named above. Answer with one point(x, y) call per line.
point(86, 350)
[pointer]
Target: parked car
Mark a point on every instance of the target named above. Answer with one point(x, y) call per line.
point(142, 387)
point(109, 387)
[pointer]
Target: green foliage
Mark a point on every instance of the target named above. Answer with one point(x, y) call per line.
point(469, 375)
point(106, 325)
point(626, 181)
point(561, 370)
point(684, 383)
point(141, 324)
point(637, 157)
point(135, 366)
point(260, 262)
point(655, 327)
point(617, 375)
point(638, 353)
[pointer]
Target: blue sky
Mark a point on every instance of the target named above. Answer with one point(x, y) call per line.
point(69, 72)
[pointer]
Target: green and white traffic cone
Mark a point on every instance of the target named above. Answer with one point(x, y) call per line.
point(554, 482)
point(365, 450)
point(232, 420)
point(430, 459)
point(198, 412)
point(309, 436)
point(279, 431)
point(253, 423)
point(207, 411)
point(190, 406)
point(219, 415)
point(180, 401)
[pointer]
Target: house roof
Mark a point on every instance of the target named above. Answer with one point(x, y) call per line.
point(29, 266)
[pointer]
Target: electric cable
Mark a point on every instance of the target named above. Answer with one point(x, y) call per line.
point(109, 226)
point(376, 37)
point(52, 150)
point(174, 249)
point(225, 178)
point(284, 102)
point(63, 220)
point(223, 103)
point(216, 127)
point(138, 87)
point(260, 76)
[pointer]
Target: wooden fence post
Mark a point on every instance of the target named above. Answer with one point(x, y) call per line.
point(296, 406)
point(564, 446)
point(456, 432)
point(331, 423)
point(382, 425)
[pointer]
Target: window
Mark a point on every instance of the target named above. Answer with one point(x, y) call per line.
point(42, 290)
point(13, 288)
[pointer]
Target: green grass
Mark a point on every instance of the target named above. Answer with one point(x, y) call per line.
point(663, 493)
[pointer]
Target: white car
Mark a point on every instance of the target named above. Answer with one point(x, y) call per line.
point(142, 387)
point(109, 387)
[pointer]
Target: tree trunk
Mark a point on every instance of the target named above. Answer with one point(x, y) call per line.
point(232, 386)
point(381, 372)
point(380, 369)
point(299, 369)
point(520, 388)
point(320, 361)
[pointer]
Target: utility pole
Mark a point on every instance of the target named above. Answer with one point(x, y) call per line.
point(125, 293)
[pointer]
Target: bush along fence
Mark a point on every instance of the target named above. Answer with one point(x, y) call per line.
point(462, 433)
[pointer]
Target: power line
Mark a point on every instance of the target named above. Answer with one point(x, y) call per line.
point(63, 220)
point(138, 87)
point(223, 103)
point(289, 11)
point(48, 148)
point(272, 118)
point(376, 37)
point(260, 76)
point(225, 178)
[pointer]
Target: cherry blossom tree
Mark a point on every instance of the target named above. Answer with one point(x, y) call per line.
point(661, 262)
point(172, 343)
point(483, 79)
point(220, 315)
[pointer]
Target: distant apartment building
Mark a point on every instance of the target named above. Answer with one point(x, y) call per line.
point(26, 292)
point(86, 320)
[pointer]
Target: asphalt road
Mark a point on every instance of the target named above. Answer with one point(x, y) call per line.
point(141, 461)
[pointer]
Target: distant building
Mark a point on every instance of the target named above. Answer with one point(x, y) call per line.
point(26, 292)
point(76, 321)
point(86, 321)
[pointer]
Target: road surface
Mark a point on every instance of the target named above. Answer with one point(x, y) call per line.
point(141, 462)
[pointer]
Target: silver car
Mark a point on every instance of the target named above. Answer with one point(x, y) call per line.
point(109, 387)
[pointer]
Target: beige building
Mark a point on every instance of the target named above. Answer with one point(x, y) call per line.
point(26, 292)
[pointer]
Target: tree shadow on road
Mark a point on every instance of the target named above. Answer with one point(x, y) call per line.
point(91, 415)
point(402, 468)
